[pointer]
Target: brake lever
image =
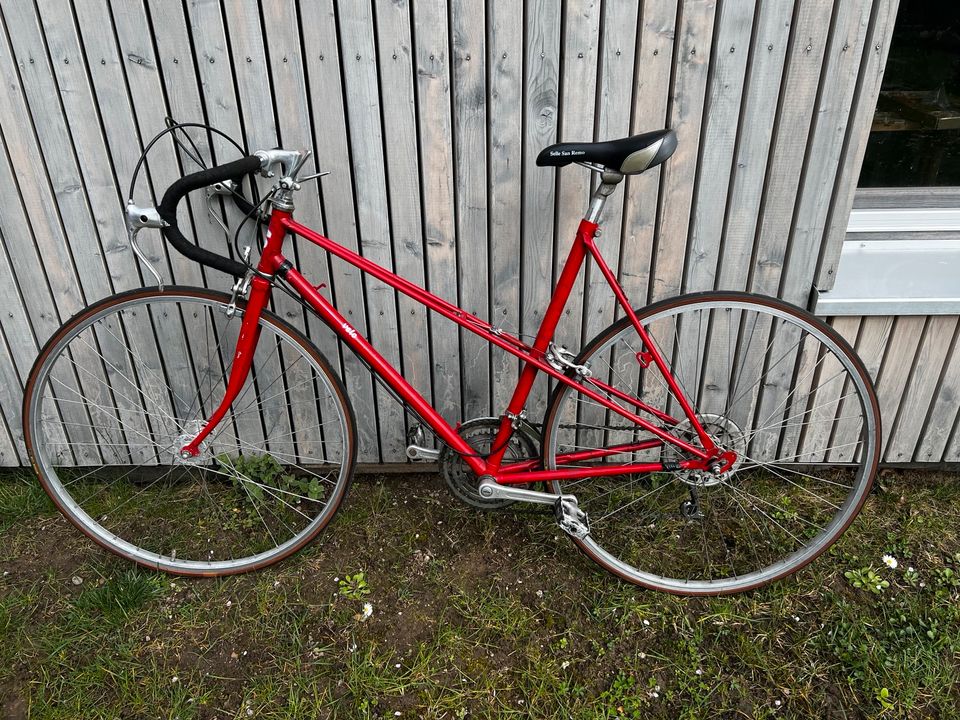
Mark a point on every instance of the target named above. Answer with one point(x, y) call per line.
point(138, 218)
point(303, 160)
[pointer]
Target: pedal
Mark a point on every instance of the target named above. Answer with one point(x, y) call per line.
point(571, 518)
point(415, 451)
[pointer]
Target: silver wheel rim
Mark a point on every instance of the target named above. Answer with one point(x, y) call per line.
point(790, 562)
point(320, 380)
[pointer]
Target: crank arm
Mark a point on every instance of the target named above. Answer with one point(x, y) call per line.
point(416, 452)
point(490, 489)
point(571, 519)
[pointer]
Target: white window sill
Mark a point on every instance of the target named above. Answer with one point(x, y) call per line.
point(897, 261)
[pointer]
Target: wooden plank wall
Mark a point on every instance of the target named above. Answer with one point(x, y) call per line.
point(429, 115)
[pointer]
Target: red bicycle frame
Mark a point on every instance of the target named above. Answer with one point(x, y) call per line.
point(272, 262)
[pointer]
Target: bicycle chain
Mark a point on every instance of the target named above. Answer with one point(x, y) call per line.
point(605, 427)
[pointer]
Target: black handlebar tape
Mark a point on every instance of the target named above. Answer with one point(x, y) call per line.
point(175, 193)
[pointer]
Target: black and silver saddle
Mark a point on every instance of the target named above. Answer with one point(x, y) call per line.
point(629, 156)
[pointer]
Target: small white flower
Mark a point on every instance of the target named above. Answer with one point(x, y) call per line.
point(699, 671)
point(565, 664)
point(646, 622)
point(911, 570)
point(890, 561)
point(175, 679)
point(229, 603)
point(367, 610)
point(777, 703)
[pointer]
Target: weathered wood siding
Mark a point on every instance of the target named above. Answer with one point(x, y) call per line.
point(429, 115)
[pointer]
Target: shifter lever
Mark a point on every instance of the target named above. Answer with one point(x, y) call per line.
point(314, 176)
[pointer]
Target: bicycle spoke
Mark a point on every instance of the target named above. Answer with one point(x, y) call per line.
point(135, 385)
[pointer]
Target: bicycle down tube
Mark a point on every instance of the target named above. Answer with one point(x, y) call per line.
point(272, 262)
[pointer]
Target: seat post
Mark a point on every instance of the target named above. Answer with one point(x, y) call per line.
point(609, 179)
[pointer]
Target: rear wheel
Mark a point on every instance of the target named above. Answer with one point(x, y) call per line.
point(767, 380)
point(122, 386)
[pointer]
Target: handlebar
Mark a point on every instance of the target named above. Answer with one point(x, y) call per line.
point(171, 198)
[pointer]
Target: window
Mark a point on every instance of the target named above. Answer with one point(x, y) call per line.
point(902, 250)
point(915, 139)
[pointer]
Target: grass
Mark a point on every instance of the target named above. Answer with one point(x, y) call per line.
point(478, 615)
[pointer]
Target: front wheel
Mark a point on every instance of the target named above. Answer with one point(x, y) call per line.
point(123, 385)
point(767, 380)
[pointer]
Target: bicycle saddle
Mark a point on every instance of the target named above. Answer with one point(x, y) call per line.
point(630, 155)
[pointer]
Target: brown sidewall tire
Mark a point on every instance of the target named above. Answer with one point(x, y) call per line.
point(215, 296)
point(692, 298)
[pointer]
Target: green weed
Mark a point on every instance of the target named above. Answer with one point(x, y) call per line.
point(867, 579)
point(354, 587)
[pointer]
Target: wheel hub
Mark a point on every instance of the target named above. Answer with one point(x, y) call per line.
point(182, 456)
point(729, 439)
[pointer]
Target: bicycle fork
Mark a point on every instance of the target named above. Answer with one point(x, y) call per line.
point(242, 361)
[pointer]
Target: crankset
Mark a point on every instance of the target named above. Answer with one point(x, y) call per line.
point(479, 434)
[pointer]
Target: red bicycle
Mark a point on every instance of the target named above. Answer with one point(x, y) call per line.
point(705, 444)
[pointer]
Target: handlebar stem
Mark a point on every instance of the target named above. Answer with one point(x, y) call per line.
point(290, 162)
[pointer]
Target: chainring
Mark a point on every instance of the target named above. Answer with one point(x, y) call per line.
point(479, 434)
